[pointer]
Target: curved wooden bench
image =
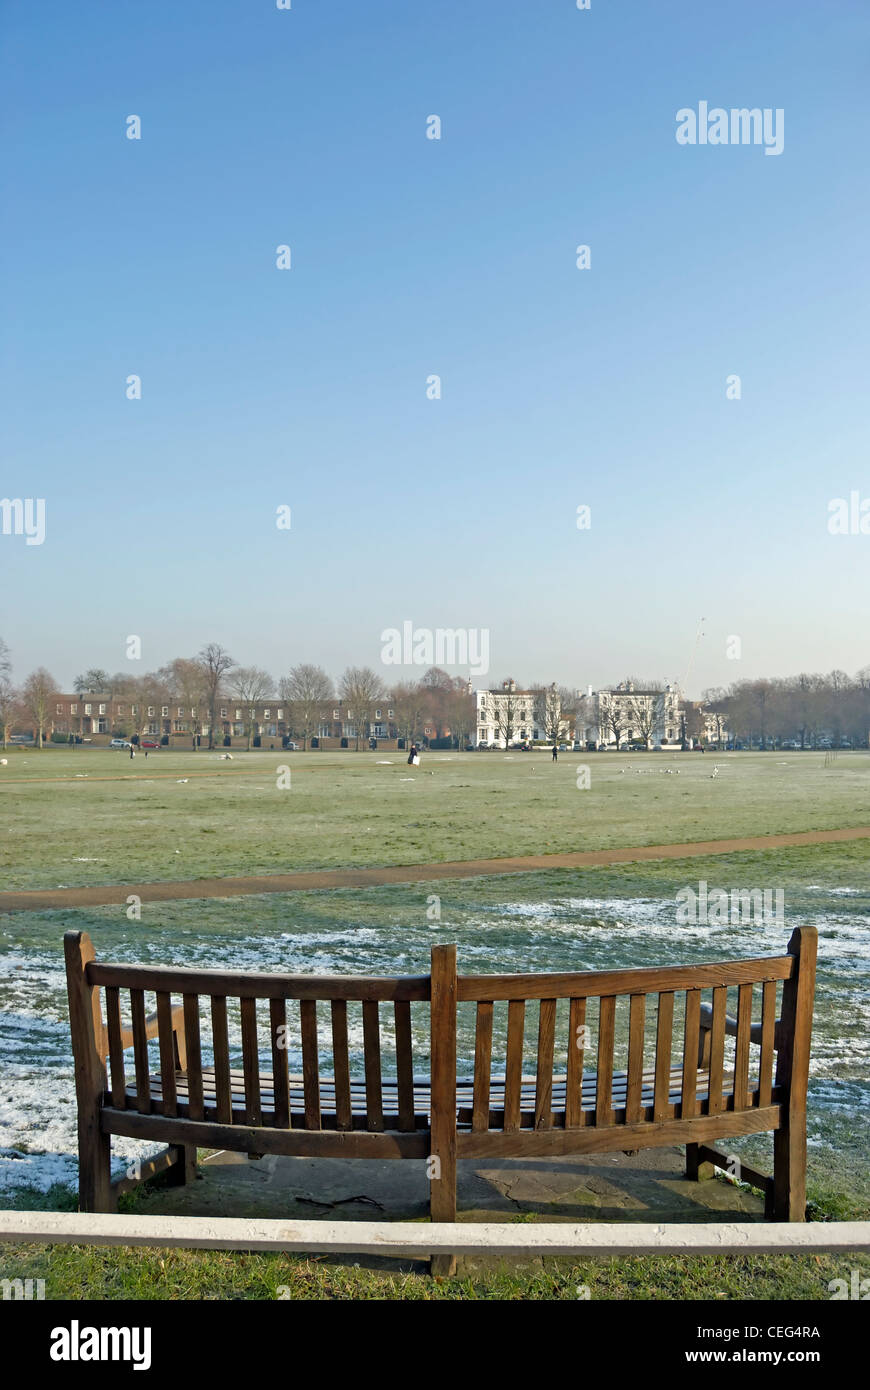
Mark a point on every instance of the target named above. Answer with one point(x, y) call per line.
point(682, 1082)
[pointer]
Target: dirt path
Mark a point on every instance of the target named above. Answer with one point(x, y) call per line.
point(100, 896)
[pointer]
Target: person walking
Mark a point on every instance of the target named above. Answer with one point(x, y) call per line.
point(555, 754)
point(132, 751)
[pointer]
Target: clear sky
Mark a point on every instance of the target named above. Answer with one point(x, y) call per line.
point(561, 387)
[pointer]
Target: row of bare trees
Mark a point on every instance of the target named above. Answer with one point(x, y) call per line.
point(802, 709)
point(201, 683)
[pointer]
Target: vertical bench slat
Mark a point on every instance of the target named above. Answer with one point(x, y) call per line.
point(167, 1052)
point(715, 1102)
point(116, 1049)
point(251, 1062)
point(220, 1038)
point(689, 1089)
point(341, 1065)
point(280, 1064)
point(544, 1076)
point(634, 1086)
point(404, 1065)
point(574, 1077)
point(741, 1051)
point(310, 1064)
point(140, 1052)
point(604, 1083)
point(372, 1051)
point(193, 1048)
point(768, 1025)
point(664, 1043)
point(482, 1068)
point(514, 1064)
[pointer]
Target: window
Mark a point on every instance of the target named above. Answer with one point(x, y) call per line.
point(119, 709)
point(87, 709)
point(280, 714)
point(223, 714)
point(58, 709)
point(180, 711)
point(134, 709)
point(265, 714)
point(150, 713)
point(102, 709)
point(238, 714)
point(164, 710)
point(377, 714)
point(73, 709)
point(192, 713)
point(336, 714)
point(390, 713)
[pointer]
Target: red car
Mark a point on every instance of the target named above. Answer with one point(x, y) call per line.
point(149, 743)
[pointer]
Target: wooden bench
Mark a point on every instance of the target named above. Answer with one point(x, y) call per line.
point(690, 1075)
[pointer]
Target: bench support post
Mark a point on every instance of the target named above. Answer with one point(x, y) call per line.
point(696, 1170)
point(442, 1158)
point(86, 1029)
point(792, 1074)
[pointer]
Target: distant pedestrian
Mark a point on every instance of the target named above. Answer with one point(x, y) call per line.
point(414, 756)
point(132, 751)
point(555, 754)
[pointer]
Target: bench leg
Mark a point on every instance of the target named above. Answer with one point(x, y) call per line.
point(442, 1207)
point(790, 1172)
point(695, 1170)
point(183, 1169)
point(95, 1171)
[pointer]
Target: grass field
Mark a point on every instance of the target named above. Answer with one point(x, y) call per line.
point(93, 816)
point(349, 810)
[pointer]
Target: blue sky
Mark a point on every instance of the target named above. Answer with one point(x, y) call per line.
point(410, 256)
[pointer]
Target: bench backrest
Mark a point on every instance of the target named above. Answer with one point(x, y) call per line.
point(660, 1042)
point(198, 1011)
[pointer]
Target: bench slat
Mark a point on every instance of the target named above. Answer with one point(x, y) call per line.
point(648, 980)
point(193, 1049)
point(544, 1077)
point(167, 1052)
point(372, 1053)
point(140, 1051)
point(574, 1077)
point(310, 1065)
point(604, 1084)
point(664, 1042)
point(636, 1041)
point(220, 1042)
point(768, 1033)
point(482, 1066)
point(341, 1065)
point(717, 1051)
point(691, 1043)
point(741, 1051)
point(116, 1047)
point(404, 1064)
point(280, 1067)
point(514, 1063)
point(251, 1061)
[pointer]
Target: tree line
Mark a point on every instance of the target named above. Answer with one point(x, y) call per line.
point(306, 694)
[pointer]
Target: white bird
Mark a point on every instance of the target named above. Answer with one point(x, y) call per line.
point(3, 762)
point(183, 779)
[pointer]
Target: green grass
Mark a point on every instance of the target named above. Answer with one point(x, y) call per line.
point(348, 810)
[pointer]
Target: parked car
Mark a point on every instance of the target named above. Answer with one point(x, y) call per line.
point(120, 743)
point(149, 742)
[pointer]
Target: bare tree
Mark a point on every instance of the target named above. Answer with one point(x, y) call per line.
point(250, 685)
point(10, 704)
point(185, 681)
point(360, 688)
point(5, 659)
point(38, 693)
point(611, 717)
point(506, 711)
point(409, 701)
point(307, 690)
point(214, 661)
point(93, 681)
point(548, 711)
point(645, 711)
